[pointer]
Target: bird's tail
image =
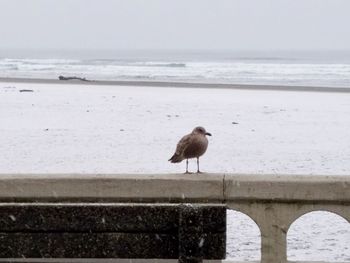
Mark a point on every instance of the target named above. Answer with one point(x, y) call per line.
point(175, 158)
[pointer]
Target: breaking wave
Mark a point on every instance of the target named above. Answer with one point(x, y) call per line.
point(161, 64)
point(270, 71)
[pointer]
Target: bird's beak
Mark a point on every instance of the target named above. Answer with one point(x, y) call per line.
point(207, 133)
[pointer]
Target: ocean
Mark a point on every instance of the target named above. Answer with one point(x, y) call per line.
point(302, 68)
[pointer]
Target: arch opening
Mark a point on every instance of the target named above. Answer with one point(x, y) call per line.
point(319, 236)
point(243, 237)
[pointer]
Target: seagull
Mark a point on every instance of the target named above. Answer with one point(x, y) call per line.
point(192, 145)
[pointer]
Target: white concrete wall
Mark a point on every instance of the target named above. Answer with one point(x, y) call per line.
point(274, 202)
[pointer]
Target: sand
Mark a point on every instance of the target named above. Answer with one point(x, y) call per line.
point(176, 84)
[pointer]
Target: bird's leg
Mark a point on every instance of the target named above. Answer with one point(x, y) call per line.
point(198, 166)
point(186, 166)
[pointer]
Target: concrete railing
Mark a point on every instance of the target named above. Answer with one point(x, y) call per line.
point(274, 202)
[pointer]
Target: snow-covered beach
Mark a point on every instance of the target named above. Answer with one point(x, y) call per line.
point(55, 128)
point(115, 129)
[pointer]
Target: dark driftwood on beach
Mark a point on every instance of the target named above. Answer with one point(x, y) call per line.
point(26, 90)
point(71, 78)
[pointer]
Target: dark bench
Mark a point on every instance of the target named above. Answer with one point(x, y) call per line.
point(188, 232)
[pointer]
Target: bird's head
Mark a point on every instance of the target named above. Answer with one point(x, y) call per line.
point(200, 130)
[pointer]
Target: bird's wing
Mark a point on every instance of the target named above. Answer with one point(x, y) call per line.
point(183, 144)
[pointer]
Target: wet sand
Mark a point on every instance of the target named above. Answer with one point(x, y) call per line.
point(143, 83)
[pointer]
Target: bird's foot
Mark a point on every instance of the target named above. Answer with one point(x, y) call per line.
point(187, 172)
point(199, 172)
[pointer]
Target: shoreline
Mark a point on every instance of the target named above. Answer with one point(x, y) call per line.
point(174, 84)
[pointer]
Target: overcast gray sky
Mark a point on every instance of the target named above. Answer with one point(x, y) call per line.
point(175, 24)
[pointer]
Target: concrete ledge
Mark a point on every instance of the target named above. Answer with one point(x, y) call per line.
point(128, 188)
point(288, 188)
point(174, 188)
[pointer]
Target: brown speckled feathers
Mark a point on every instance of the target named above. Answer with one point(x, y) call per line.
point(192, 145)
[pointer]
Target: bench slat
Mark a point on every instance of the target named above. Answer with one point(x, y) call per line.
point(87, 245)
point(102, 218)
point(100, 245)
